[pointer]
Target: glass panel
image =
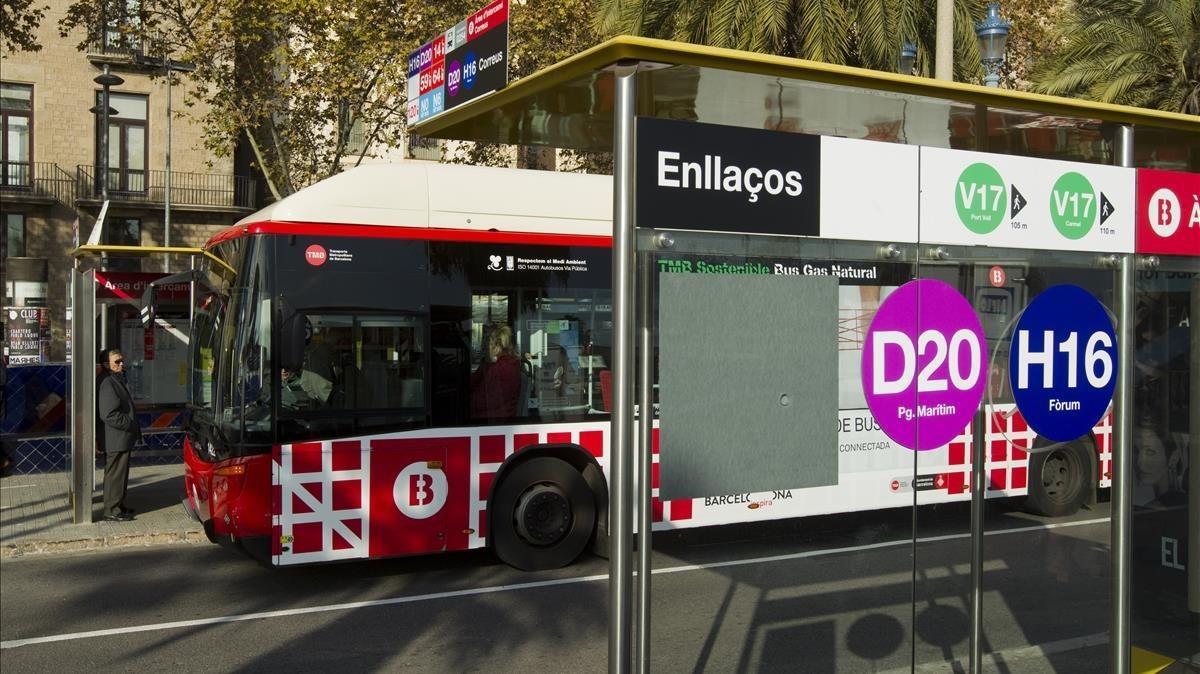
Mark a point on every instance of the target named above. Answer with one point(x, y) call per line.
point(16, 97)
point(1046, 519)
point(1166, 511)
point(364, 364)
point(135, 156)
point(14, 225)
point(128, 106)
point(18, 139)
point(329, 356)
point(805, 579)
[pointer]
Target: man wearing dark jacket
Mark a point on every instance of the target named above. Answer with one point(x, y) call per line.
point(121, 433)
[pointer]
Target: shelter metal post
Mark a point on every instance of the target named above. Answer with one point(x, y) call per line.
point(645, 458)
point(1122, 483)
point(978, 489)
point(83, 394)
point(1193, 570)
point(620, 582)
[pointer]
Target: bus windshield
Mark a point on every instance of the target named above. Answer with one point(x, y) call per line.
point(231, 354)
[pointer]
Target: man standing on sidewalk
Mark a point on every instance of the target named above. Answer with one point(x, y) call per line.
point(121, 433)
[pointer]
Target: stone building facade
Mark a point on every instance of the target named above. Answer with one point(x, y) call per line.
point(49, 178)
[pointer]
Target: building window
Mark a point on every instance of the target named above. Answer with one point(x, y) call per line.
point(122, 25)
point(120, 231)
point(16, 144)
point(124, 231)
point(127, 147)
point(14, 235)
point(355, 141)
point(424, 148)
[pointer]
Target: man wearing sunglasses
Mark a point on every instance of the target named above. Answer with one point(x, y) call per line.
point(121, 433)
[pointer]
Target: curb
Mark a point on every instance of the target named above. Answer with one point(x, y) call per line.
point(145, 540)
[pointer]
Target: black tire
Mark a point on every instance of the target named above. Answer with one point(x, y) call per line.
point(1059, 480)
point(542, 515)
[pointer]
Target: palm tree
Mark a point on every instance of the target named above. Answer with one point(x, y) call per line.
point(1136, 52)
point(865, 33)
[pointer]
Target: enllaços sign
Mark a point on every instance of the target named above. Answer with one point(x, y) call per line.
point(1063, 363)
point(922, 366)
point(1168, 213)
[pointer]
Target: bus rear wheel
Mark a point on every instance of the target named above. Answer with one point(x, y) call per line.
point(542, 515)
point(1058, 480)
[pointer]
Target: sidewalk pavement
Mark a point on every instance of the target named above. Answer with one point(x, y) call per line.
point(35, 516)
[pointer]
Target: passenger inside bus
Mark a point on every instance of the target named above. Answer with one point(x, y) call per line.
point(301, 389)
point(496, 385)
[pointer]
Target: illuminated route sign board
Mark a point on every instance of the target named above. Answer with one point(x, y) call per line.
point(467, 61)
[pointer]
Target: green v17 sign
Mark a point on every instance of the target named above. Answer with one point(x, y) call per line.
point(975, 198)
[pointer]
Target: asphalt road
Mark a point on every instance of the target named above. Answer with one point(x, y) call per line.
point(815, 595)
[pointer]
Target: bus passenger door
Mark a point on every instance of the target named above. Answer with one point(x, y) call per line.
point(419, 495)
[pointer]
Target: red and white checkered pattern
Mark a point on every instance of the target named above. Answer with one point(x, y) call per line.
point(1007, 440)
point(322, 492)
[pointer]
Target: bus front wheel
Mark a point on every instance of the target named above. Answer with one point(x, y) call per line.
point(542, 515)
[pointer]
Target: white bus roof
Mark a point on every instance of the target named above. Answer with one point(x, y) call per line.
point(448, 196)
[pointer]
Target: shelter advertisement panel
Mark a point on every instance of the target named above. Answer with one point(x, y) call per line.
point(976, 198)
point(1168, 213)
point(720, 178)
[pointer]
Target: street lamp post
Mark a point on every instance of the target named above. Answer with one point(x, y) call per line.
point(170, 67)
point(908, 58)
point(105, 79)
point(992, 33)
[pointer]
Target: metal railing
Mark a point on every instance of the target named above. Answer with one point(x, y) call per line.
point(215, 190)
point(124, 41)
point(37, 179)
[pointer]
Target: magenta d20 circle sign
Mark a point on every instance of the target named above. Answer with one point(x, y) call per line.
point(922, 367)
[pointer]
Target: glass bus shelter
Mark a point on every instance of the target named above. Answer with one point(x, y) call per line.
point(752, 326)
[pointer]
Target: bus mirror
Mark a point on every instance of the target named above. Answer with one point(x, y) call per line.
point(291, 337)
point(154, 291)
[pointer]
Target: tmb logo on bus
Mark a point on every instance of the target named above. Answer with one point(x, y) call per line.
point(420, 491)
point(315, 255)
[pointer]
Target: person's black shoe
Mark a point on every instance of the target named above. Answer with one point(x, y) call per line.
point(127, 511)
point(119, 517)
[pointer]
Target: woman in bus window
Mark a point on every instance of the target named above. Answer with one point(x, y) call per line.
point(496, 384)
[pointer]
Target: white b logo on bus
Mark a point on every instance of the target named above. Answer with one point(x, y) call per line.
point(420, 491)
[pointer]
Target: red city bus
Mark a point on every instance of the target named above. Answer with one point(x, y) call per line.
point(414, 358)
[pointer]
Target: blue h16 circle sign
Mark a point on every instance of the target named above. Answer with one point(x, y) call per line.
point(1063, 363)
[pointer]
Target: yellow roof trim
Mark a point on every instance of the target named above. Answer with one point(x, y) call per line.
point(629, 48)
point(87, 250)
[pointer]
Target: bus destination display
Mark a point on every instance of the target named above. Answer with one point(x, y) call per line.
point(467, 61)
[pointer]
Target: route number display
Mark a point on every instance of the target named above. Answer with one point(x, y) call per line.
point(922, 368)
point(1063, 363)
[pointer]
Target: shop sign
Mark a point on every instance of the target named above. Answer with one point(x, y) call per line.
point(131, 285)
point(717, 178)
point(28, 333)
point(462, 64)
point(1004, 201)
point(1168, 213)
point(1063, 363)
point(922, 364)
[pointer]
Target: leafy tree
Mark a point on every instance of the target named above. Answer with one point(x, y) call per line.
point(1136, 52)
point(288, 77)
point(19, 21)
point(866, 33)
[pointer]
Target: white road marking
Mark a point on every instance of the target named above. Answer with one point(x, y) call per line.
point(19, 486)
point(283, 613)
point(1015, 655)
